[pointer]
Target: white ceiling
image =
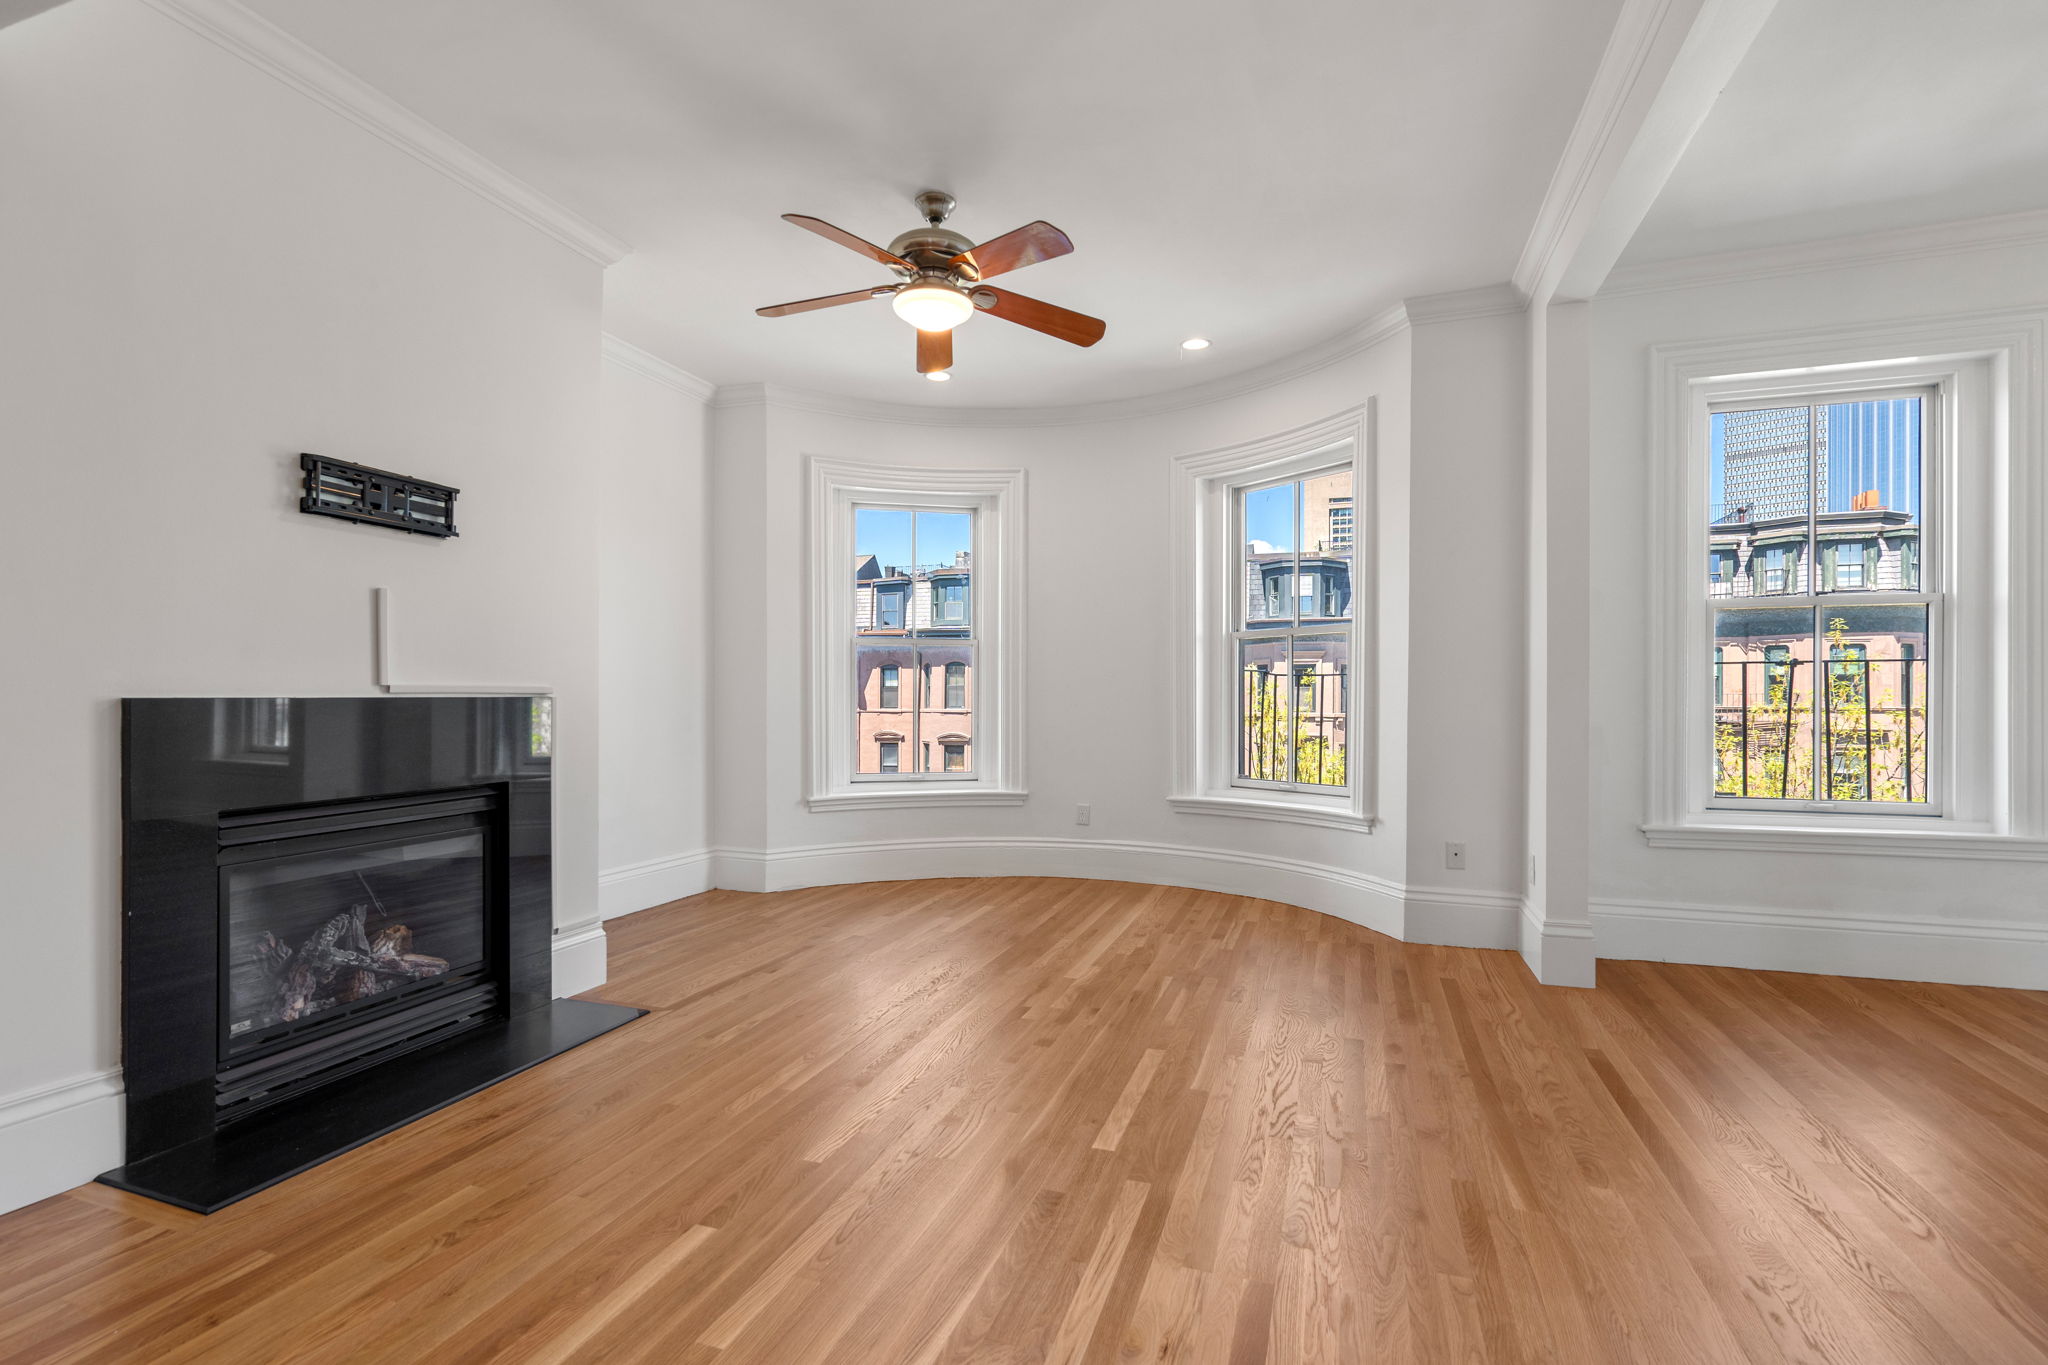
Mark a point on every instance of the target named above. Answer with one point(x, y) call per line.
point(1852, 116)
point(1266, 173)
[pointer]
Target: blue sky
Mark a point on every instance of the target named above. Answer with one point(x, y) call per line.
point(885, 533)
point(1269, 516)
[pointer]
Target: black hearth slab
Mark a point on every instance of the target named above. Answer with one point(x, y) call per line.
point(212, 1173)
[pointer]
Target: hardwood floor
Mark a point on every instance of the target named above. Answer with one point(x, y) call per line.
point(1065, 1121)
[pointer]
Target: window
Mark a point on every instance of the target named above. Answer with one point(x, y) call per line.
point(919, 542)
point(540, 737)
point(1272, 676)
point(911, 677)
point(1721, 568)
point(1845, 563)
point(1293, 685)
point(1892, 709)
point(889, 603)
point(252, 729)
point(1826, 477)
point(949, 602)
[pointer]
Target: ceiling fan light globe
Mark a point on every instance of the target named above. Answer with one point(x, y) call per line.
point(932, 307)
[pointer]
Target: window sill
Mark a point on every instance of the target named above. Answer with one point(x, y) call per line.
point(1863, 838)
point(1288, 812)
point(906, 797)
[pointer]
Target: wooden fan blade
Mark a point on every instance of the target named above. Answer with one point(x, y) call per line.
point(934, 351)
point(783, 310)
point(846, 239)
point(1028, 245)
point(1054, 321)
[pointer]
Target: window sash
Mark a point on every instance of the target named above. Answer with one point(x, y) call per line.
point(1779, 577)
point(1289, 679)
point(949, 608)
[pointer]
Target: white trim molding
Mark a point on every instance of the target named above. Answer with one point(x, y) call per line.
point(1964, 952)
point(578, 953)
point(271, 50)
point(1994, 570)
point(1471, 919)
point(1559, 952)
point(996, 497)
point(1382, 326)
point(1486, 301)
point(59, 1136)
point(1199, 502)
point(643, 885)
point(1665, 64)
point(1833, 253)
point(647, 365)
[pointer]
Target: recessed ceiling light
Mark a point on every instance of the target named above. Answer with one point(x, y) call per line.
point(938, 376)
point(1195, 344)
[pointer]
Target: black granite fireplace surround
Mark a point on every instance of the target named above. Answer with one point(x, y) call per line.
point(337, 918)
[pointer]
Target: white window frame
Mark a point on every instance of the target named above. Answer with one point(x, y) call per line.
point(1986, 688)
point(1938, 464)
point(1208, 580)
point(996, 496)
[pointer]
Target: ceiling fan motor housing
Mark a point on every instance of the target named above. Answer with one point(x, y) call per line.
point(930, 248)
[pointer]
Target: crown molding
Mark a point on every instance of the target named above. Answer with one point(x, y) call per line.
point(1834, 253)
point(1615, 81)
point(1381, 327)
point(1486, 301)
point(647, 365)
point(270, 49)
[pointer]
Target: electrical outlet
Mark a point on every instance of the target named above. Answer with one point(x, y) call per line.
point(1454, 857)
point(1083, 814)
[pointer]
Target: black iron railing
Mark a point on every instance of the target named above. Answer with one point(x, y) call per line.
point(1854, 731)
point(1306, 708)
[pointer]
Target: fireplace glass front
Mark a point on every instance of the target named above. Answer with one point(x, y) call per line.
point(315, 936)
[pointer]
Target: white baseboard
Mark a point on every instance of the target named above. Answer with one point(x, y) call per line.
point(1558, 952)
point(1419, 914)
point(657, 881)
point(1959, 952)
point(579, 957)
point(1457, 918)
point(58, 1136)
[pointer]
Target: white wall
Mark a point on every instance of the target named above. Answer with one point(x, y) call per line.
point(1098, 610)
point(206, 273)
point(1980, 920)
point(654, 637)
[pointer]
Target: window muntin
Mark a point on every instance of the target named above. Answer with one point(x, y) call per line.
point(913, 618)
point(1291, 635)
point(1821, 697)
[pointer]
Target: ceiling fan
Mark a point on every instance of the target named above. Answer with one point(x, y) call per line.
point(941, 281)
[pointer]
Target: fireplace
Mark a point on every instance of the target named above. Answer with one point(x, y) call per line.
point(337, 917)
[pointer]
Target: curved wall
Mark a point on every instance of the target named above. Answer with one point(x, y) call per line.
point(1099, 665)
